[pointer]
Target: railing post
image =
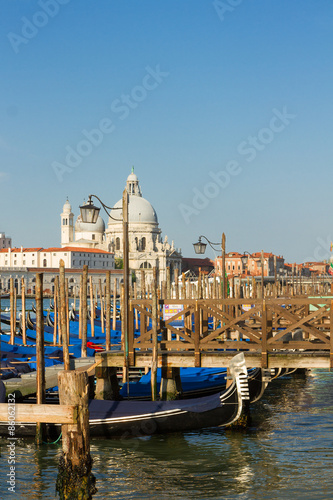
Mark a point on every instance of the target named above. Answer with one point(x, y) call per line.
point(131, 361)
point(264, 356)
point(197, 355)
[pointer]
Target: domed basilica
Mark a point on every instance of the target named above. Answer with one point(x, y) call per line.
point(147, 249)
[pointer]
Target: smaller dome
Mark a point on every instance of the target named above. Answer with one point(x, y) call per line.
point(67, 207)
point(132, 178)
point(89, 227)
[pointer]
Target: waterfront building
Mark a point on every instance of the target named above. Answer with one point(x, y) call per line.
point(18, 263)
point(235, 267)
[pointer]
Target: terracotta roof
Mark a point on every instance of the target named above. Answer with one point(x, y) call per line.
point(20, 250)
point(234, 254)
point(76, 249)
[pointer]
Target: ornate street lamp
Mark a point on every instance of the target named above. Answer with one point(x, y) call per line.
point(200, 248)
point(90, 213)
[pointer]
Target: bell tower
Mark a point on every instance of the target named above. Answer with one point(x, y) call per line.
point(67, 227)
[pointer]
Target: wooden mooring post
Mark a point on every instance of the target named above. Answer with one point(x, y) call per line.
point(40, 380)
point(75, 479)
point(63, 315)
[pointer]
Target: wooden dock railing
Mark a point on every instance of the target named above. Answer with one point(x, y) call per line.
point(254, 325)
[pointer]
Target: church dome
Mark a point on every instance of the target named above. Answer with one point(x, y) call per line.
point(88, 227)
point(139, 211)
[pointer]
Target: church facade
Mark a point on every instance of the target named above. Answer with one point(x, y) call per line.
point(147, 248)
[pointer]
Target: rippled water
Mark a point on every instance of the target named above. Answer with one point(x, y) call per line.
point(286, 453)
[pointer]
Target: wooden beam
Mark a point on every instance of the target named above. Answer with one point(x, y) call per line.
point(38, 413)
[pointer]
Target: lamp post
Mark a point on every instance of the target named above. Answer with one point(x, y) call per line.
point(200, 248)
point(245, 259)
point(89, 213)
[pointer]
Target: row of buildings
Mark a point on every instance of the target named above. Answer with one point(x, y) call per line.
point(101, 248)
point(245, 265)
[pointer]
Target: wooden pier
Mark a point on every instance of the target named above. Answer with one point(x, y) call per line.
point(285, 332)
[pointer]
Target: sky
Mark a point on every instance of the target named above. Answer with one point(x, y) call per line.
point(224, 108)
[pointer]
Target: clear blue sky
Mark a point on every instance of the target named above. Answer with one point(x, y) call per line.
point(226, 114)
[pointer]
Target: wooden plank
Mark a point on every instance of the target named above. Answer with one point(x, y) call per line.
point(39, 413)
point(276, 359)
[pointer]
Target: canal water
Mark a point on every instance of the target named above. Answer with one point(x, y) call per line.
point(287, 453)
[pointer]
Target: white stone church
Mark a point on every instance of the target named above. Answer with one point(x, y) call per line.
point(146, 246)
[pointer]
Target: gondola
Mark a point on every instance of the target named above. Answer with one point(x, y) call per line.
point(143, 418)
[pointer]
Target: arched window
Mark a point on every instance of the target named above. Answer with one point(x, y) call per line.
point(143, 244)
point(44, 263)
point(117, 243)
point(145, 265)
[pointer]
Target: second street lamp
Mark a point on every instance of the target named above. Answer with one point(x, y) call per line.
point(200, 248)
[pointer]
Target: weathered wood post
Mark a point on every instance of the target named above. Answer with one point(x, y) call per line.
point(114, 306)
point(102, 305)
point(262, 274)
point(108, 311)
point(92, 307)
point(40, 379)
point(264, 354)
point(55, 310)
point(11, 305)
point(75, 479)
point(154, 343)
point(224, 280)
point(67, 310)
point(168, 282)
point(63, 318)
point(177, 283)
point(124, 319)
point(84, 311)
point(171, 386)
point(197, 354)
point(23, 312)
